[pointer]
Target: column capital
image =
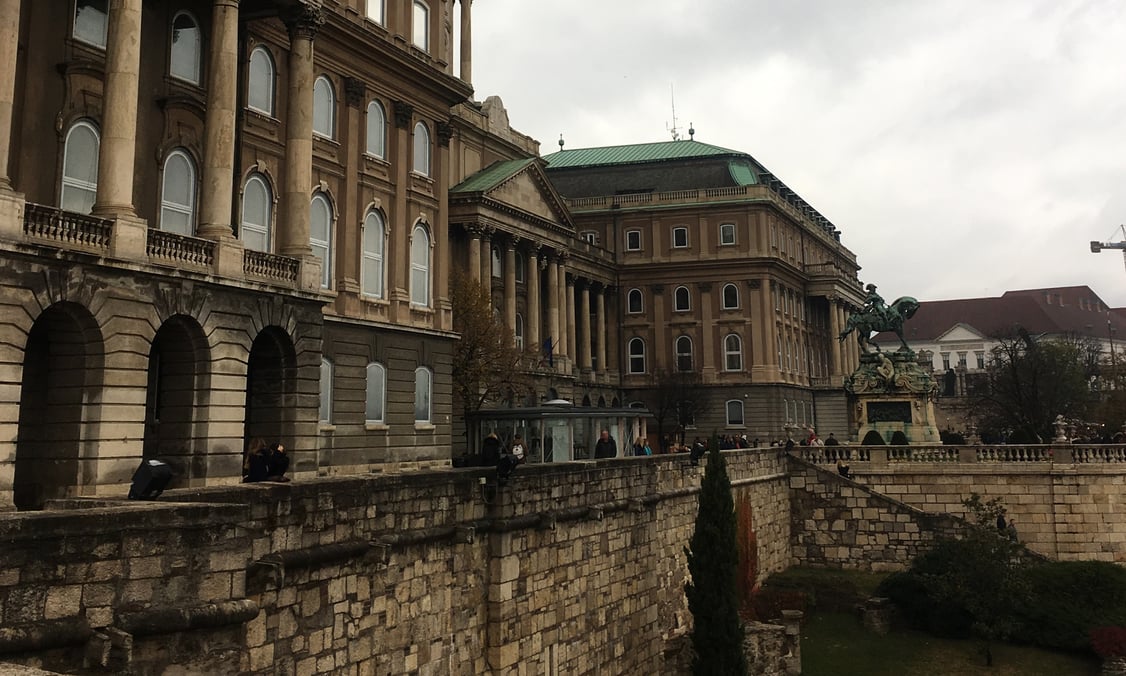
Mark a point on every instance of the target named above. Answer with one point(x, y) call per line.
point(704, 286)
point(473, 229)
point(233, 4)
point(354, 91)
point(445, 133)
point(303, 21)
point(404, 112)
point(513, 243)
point(570, 279)
point(754, 283)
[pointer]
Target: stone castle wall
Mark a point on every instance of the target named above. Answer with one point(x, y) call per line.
point(571, 568)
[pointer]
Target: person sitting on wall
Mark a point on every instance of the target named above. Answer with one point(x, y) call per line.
point(842, 465)
point(277, 463)
point(517, 450)
point(264, 463)
point(606, 446)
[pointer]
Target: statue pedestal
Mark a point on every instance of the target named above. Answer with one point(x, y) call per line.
point(893, 397)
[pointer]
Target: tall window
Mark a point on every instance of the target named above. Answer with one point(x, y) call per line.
point(422, 395)
point(372, 271)
point(945, 361)
point(91, 21)
point(420, 267)
point(320, 235)
point(376, 392)
point(980, 359)
point(682, 300)
point(326, 390)
point(421, 149)
point(375, 11)
point(377, 130)
point(184, 60)
point(727, 234)
point(680, 237)
point(420, 26)
point(633, 240)
point(734, 413)
point(260, 81)
point(80, 168)
point(177, 197)
point(730, 297)
point(519, 331)
point(636, 355)
point(498, 265)
point(684, 353)
point(521, 274)
point(257, 210)
point(732, 353)
point(634, 302)
point(324, 108)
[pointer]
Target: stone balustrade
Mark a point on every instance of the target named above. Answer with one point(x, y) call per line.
point(66, 229)
point(871, 457)
point(272, 267)
point(171, 249)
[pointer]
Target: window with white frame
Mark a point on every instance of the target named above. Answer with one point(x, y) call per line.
point(589, 236)
point(636, 352)
point(91, 21)
point(519, 331)
point(726, 234)
point(420, 26)
point(633, 240)
point(421, 149)
point(498, 263)
point(422, 384)
point(962, 359)
point(683, 353)
point(260, 81)
point(680, 237)
point(183, 62)
point(324, 108)
point(320, 235)
point(732, 353)
point(420, 266)
point(257, 213)
point(682, 299)
point(734, 413)
point(980, 359)
point(521, 274)
point(79, 185)
point(326, 390)
point(945, 361)
point(375, 11)
point(730, 297)
point(178, 194)
point(371, 274)
point(635, 302)
point(377, 130)
point(375, 399)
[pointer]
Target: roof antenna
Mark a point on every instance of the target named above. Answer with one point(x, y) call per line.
point(560, 142)
point(691, 132)
point(673, 129)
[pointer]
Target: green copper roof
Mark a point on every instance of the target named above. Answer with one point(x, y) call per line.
point(634, 154)
point(492, 175)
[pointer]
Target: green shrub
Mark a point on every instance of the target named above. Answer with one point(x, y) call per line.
point(920, 610)
point(828, 590)
point(1070, 598)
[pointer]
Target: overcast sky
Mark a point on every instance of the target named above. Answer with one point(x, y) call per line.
point(964, 148)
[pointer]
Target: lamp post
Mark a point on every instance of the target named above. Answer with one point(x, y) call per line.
point(1113, 358)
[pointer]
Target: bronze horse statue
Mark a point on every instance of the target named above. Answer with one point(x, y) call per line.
point(888, 318)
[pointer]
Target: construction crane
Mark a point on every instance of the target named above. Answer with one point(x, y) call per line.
point(1099, 246)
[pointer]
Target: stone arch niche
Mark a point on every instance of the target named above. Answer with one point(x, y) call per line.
point(271, 388)
point(177, 398)
point(62, 381)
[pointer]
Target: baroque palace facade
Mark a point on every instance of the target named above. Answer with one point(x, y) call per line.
point(224, 219)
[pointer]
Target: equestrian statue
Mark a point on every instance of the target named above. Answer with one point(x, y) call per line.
point(878, 316)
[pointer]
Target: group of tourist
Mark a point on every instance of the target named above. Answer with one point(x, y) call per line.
point(264, 462)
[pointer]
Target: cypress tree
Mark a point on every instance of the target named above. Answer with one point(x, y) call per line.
point(713, 560)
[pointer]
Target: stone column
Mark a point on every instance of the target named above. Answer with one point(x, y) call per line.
point(553, 301)
point(119, 111)
point(510, 284)
point(569, 318)
point(293, 234)
point(487, 258)
point(399, 257)
point(474, 252)
point(466, 41)
point(834, 344)
point(706, 350)
point(443, 306)
point(9, 40)
point(600, 329)
point(534, 321)
point(216, 186)
point(584, 333)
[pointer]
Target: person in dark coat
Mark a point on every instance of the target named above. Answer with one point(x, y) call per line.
point(490, 450)
point(606, 446)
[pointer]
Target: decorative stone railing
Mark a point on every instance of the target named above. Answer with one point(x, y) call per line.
point(270, 266)
point(170, 248)
point(66, 228)
point(881, 456)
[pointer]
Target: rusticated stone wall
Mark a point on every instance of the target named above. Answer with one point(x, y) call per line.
point(572, 568)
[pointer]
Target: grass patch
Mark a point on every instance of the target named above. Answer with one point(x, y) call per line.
point(834, 644)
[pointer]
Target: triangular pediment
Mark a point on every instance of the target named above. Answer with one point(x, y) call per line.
point(960, 332)
point(519, 185)
point(525, 193)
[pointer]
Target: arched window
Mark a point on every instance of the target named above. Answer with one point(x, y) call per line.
point(635, 302)
point(730, 297)
point(260, 81)
point(683, 353)
point(184, 60)
point(521, 274)
point(257, 213)
point(420, 26)
point(375, 11)
point(422, 395)
point(324, 108)
point(320, 235)
point(377, 130)
point(376, 393)
point(734, 413)
point(636, 355)
point(732, 353)
point(371, 273)
point(519, 331)
point(80, 168)
point(682, 300)
point(91, 21)
point(177, 197)
point(420, 266)
point(421, 149)
point(326, 390)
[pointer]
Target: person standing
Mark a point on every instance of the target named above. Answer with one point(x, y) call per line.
point(606, 446)
point(490, 450)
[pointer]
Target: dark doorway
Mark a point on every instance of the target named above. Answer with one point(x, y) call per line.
point(176, 398)
point(271, 396)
